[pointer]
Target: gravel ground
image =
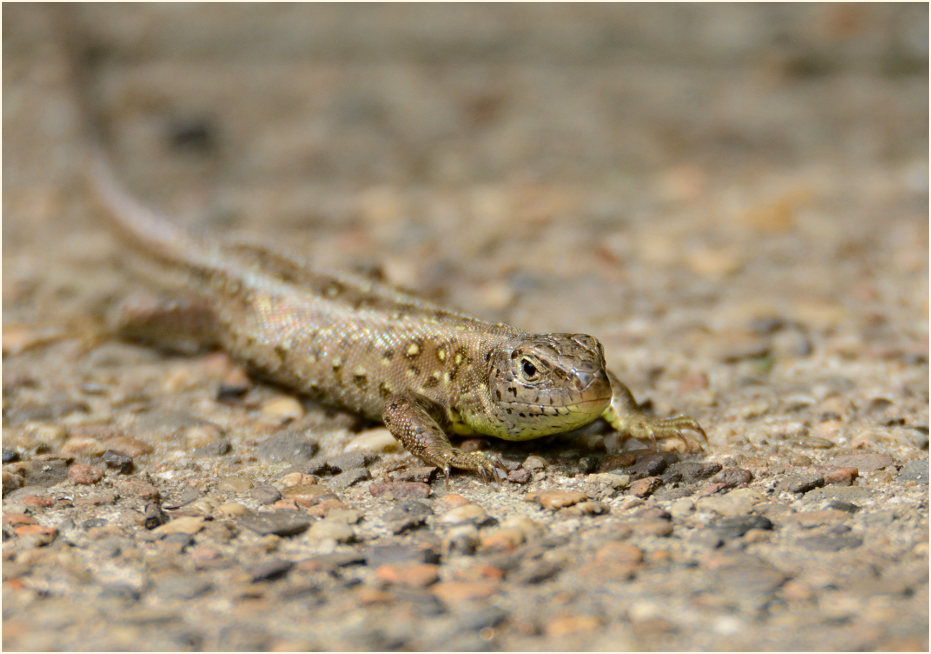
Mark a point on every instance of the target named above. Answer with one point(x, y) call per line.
point(734, 199)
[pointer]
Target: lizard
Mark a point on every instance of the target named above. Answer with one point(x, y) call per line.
point(364, 346)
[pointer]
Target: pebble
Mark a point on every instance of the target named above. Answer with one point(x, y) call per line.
point(817, 518)
point(265, 494)
point(863, 461)
point(399, 489)
point(800, 482)
point(280, 410)
point(503, 539)
point(331, 506)
point(453, 592)
point(689, 471)
point(118, 461)
point(281, 523)
point(83, 446)
point(36, 535)
point(218, 447)
point(728, 478)
point(379, 555)
point(236, 485)
point(466, 514)
point(736, 526)
point(10, 455)
point(650, 465)
point(829, 542)
point(287, 446)
point(464, 539)
point(610, 479)
point(536, 572)
point(406, 516)
point(644, 486)
point(378, 440)
point(842, 476)
point(553, 500)
point(415, 575)
point(183, 525)
point(618, 553)
point(915, 471)
point(40, 472)
point(349, 478)
point(565, 625)
point(271, 569)
point(231, 510)
point(534, 463)
point(737, 502)
point(332, 530)
point(520, 476)
point(181, 586)
point(85, 474)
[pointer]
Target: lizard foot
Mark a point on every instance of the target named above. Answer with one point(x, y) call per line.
point(488, 467)
point(664, 429)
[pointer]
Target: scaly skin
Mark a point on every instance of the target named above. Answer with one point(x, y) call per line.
point(366, 347)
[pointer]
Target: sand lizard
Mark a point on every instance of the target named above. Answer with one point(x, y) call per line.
point(424, 370)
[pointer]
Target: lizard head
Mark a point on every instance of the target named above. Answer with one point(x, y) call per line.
point(546, 384)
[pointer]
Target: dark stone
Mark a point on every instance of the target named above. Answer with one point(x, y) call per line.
point(535, 572)
point(520, 476)
point(287, 445)
point(10, 455)
point(737, 526)
point(800, 482)
point(265, 494)
point(841, 505)
point(391, 554)
point(118, 461)
point(912, 471)
point(733, 477)
point(218, 447)
point(272, 569)
point(423, 474)
point(182, 586)
point(335, 464)
point(829, 543)
point(41, 472)
point(689, 471)
point(406, 516)
point(282, 523)
point(349, 478)
point(589, 464)
point(650, 465)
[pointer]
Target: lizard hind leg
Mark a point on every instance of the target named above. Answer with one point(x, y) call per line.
point(412, 424)
point(181, 324)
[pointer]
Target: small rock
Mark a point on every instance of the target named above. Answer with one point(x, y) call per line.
point(137, 488)
point(234, 485)
point(565, 625)
point(131, 447)
point(452, 592)
point(536, 572)
point(219, 447)
point(406, 516)
point(118, 461)
point(332, 507)
point(650, 465)
point(863, 462)
point(503, 539)
point(153, 516)
point(840, 505)
point(681, 508)
point(619, 553)
point(644, 486)
point(728, 478)
point(271, 569)
point(10, 455)
point(689, 471)
point(378, 440)
point(610, 479)
point(85, 474)
point(82, 446)
point(653, 527)
point(265, 494)
point(842, 476)
point(281, 410)
point(332, 530)
point(737, 526)
point(37, 535)
point(40, 472)
point(915, 471)
point(389, 554)
point(466, 514)
point(349, 478)
point(800, 482)
point(817, 518)
point(830, 543)
point(231, 510)
point(463, 539)
point(400, 489)
point(415, 575)
point(553, 500)
point(737, 502)
point(287, 446)
point(534, 463)
point(181, 586)
point(280, 523)
point(520, 476)
point(184, 525)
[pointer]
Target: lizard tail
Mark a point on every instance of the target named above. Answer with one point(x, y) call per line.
point(151, 233)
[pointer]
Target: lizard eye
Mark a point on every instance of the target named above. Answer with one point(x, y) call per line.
point(528, 370)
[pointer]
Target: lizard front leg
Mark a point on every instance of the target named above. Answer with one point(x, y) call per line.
point(629, 420)
point(412, 424)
